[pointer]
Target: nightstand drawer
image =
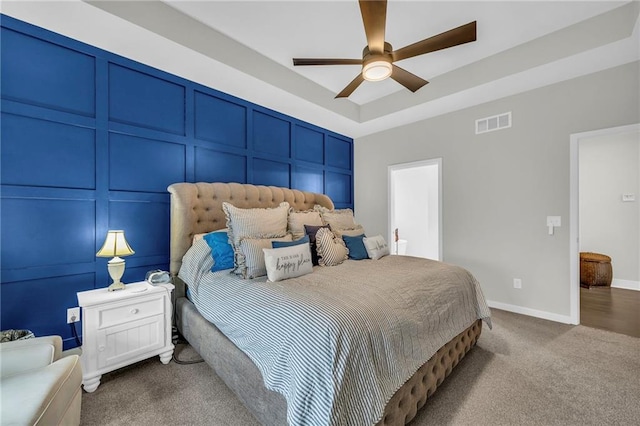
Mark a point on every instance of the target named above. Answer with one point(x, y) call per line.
point(130, 312)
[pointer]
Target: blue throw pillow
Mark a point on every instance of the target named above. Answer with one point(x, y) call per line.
point(357, 250)
point(280, 244)
point(221, 250)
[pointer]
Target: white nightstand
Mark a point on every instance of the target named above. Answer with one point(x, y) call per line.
point(123, 327)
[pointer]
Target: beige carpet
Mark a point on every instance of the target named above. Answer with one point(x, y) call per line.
point(525, 371)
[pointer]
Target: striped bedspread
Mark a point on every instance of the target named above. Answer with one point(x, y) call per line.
point(339, 342)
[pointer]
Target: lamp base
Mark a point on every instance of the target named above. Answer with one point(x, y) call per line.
point(116, 269)
point(116, 286)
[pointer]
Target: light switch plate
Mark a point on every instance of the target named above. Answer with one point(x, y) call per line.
point(554, 221)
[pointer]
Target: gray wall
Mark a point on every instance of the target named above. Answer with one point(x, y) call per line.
point(609, 167)
point(499, 187)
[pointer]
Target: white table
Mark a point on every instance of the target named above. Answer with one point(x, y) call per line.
point(122, 327)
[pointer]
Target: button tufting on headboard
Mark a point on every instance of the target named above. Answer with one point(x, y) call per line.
point(197, 208)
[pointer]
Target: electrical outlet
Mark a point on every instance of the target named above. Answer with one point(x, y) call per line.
point(517, 283)
point(73, 315)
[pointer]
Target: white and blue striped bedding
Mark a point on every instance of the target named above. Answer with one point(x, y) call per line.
point(338, 342)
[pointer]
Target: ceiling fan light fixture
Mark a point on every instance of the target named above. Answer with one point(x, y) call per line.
point(378, 56)
point(377, 70)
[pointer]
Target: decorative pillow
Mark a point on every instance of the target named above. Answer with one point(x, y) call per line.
point(288, 262)
point(338, 219)
point(311, 231)
point(280, 244)
point(358, 230)
point(376, 246)
point(331, 250)
point(357, 250)
point(297, 221)
point(253, 223)
point(252, 257)
point(221, 250)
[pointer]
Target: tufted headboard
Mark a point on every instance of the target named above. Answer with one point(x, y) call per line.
point(196, 208)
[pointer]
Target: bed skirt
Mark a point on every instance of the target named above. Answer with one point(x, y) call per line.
point(241, 375)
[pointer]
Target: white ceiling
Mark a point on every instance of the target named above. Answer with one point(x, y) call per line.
point(281, 30)
point(245, 48)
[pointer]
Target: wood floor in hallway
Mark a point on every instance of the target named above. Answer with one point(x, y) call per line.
point(613, 309)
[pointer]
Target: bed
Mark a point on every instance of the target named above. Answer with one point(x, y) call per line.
point(196, 208)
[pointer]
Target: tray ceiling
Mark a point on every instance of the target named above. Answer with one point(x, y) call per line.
point(520, 45)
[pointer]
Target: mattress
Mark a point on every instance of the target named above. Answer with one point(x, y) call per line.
point(338, 343)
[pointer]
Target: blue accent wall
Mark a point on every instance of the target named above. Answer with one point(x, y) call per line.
point(90, 142)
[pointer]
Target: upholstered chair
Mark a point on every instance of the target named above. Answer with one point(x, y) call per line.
point(37, 385)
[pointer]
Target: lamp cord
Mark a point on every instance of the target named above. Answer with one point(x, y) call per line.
point(176, 337)
point(75, 333)
point(179, 340)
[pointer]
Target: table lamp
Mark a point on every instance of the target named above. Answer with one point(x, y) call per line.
point(115, 245)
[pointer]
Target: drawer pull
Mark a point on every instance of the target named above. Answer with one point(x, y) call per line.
point(134, 311)
point(101, 348)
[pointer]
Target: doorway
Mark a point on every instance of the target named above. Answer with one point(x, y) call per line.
point(415, 208)
point(605, 218)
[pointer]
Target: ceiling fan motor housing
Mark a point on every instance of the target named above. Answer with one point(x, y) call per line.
point(377, 66)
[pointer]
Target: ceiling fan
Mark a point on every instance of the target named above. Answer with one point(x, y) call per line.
point(378, 57)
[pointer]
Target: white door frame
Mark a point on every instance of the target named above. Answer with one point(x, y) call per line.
point(394, 167)
point(574, 219)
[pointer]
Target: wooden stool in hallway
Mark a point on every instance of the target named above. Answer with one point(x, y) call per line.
point(595, 270)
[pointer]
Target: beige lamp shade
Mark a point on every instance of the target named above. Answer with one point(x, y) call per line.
point(115, 245)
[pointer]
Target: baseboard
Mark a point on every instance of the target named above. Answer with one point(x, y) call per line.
point(626, 284)
point(565, 319)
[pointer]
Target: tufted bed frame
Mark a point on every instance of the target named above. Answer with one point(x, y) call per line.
point(197, 208)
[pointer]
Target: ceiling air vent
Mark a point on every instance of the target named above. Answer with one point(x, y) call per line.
point(495, 122)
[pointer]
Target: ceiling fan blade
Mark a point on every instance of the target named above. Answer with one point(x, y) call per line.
point(351, 87)
point(461, 35)
point(374, 17)
point(322, 61)
point(407, 79)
